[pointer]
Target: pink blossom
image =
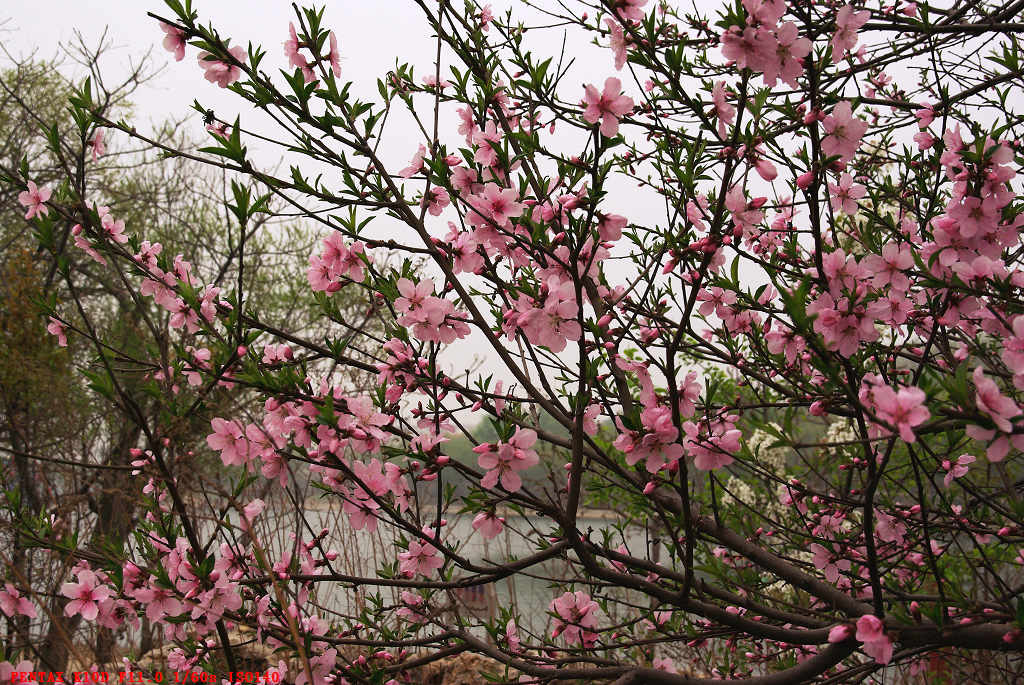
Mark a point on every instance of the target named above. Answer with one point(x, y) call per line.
point(415, 165)
point(658, 446)
point(413, 607)
point(498, 204)
point(924, 140)
point(925, 115)
point(844, 195)
point(711, 444)
point(486, 17)
point(607, 107)
point(13, 604)
point(745, 216)
point(823, 559)
point(503, 460)
point(629, 9)
point(903, 409)
point(466, 258)
point(725, 112)
point(889, 528)
point(785, 342)
point(888, 268)
point(994, 403)
point(96, 144)
point(160, 602)
point(430, 81)
point(8, 669)
point(1013, 352)
point(840, 633)
point(113, 229)
point(871, 631)
point(554, 323)
point(56, 328)
point(590, 416)
point(499, 402)
point(337, 260)
point(664, 664)
point(844, 324)
point(436, 200)
point(576, 618)
point(295, 58)
point(34, 200)
point(174, 40)
point(277, 354)
point(786, 60)
point(715, 300)
point(465, 180)
point(334, 56)
point(689, 390)
point(957, 469)
point(321, 667)
point(848, 23)
point(467, 124)
point(973, 215)
point(609, 226)
point(765, 169)
point(618, 41)
point(228, 438)
point(870, 628)
point(250, 511)
point(222, 72)
point(488, 524)
point(85, 595)
point(351, 262)
point(417, 304)
point(750, 48)
point(420, 558)
point(844, 132)
point(320, 276)
point(291, 49)
point(764, 11)
point(512, 636)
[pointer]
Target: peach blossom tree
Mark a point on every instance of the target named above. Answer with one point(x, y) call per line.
point(755, 292)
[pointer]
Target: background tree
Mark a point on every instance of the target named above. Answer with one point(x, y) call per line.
point(76, 415)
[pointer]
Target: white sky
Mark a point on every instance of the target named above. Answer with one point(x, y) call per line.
point(370, 33)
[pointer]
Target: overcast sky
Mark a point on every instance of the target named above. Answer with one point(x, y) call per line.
point(371, 34)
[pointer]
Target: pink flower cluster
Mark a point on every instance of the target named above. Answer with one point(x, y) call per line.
point(658, 444)
point(371, 482)
point(420, 557)
point(337, 261)
point(504, 460)
point(431, 318)
point(550, 321)
point(575, 618)
point(400, 370)
point(901, 409)
point(774, 50)
point(711, 443)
